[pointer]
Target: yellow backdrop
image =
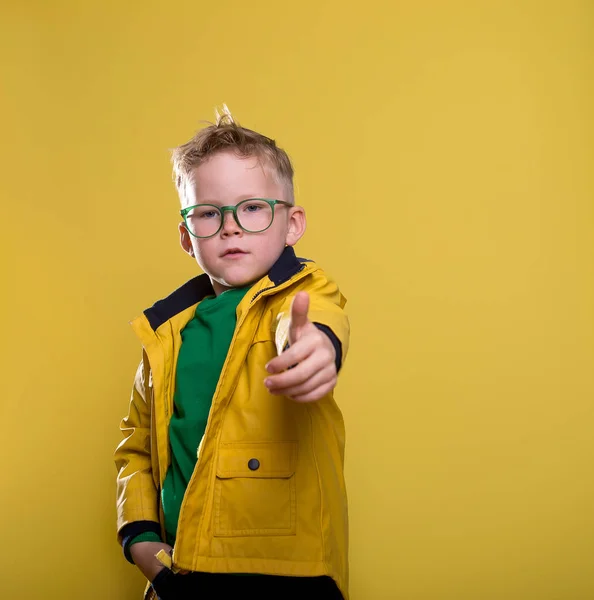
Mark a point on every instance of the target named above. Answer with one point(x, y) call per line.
point(445, 156)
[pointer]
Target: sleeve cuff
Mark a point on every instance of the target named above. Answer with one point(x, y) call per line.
point(335, 342)
point(131, 531)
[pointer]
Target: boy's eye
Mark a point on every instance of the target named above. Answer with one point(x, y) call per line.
point(252, 207)
point(205, 213)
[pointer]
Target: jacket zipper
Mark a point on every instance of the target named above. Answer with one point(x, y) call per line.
point(257, 294)
point(261, 292)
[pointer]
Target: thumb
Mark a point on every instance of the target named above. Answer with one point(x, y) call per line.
point(299, 320)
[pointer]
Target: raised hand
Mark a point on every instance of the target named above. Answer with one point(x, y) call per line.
point(306, 371)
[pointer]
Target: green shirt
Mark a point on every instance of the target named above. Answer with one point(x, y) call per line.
point(205, 343)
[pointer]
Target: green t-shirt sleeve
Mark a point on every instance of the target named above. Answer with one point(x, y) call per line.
point(148, 536)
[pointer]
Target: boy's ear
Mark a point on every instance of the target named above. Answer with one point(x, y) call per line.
point(184, 239)
point(297, 225)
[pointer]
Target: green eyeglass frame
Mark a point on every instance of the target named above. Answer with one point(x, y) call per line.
point(233, 209)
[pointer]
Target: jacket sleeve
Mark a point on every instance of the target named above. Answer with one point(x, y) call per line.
point(137, 495)
point(326, 311)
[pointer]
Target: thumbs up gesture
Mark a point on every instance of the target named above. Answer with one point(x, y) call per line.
point(306, 371)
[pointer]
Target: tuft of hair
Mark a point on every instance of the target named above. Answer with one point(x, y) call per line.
point(226, 134)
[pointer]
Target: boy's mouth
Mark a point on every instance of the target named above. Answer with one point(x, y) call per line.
point(234, 252)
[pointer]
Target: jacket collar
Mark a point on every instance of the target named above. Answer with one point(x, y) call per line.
point(199, 287)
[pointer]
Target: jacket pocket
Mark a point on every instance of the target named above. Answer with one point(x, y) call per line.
point(255, 489)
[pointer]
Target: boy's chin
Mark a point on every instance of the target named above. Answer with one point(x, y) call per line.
point(234, 282)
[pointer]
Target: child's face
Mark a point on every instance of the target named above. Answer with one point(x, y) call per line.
point(224, 180)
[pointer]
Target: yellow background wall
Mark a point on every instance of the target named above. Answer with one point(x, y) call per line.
point(444, 153)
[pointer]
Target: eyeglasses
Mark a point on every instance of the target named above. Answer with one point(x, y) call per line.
point(254, 215)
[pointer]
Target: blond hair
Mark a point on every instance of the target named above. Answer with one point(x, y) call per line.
point(226, 134)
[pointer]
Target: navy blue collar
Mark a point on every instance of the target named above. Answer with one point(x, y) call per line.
point(199, 287)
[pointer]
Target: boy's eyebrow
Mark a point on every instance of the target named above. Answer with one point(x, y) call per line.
point(218, 202)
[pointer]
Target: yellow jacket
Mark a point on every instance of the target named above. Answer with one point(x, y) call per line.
point(284, 513)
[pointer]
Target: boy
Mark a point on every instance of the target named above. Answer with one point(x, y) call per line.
point(230, 474)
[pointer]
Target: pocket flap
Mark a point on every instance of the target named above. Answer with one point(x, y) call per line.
point(257, 459)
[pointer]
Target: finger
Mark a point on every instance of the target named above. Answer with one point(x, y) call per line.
point(299, 310)
point(318, 393)
point(311, 384)
point(300, 374)
point(292, 356)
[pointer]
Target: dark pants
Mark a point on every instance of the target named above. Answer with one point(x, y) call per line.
point(207, 586)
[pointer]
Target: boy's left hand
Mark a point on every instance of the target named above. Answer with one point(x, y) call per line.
point(310, 353)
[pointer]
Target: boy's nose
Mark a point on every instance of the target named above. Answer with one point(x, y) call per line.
point(230, 226)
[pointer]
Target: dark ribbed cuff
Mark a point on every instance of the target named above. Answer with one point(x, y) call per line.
point(335, 342)
point(132, 530)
